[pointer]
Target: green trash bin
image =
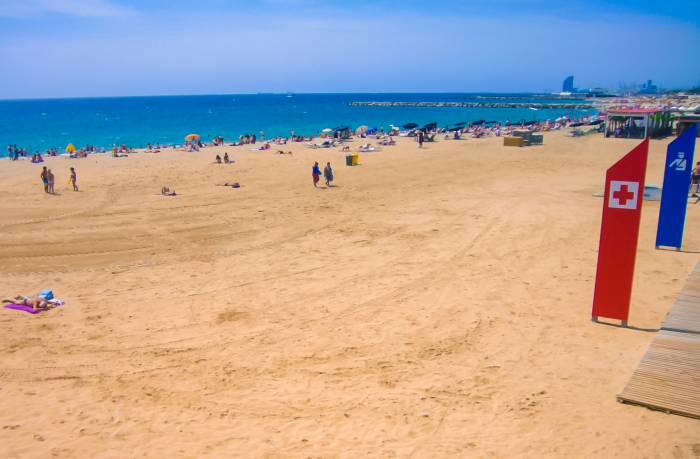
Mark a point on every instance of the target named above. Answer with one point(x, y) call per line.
point(348, 160)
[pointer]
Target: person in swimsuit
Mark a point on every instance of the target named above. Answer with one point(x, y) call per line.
point(328, 174)
point(226, 160)
point(34, 301)
point(73, 179)
point(316, 173)
point(217, 160)
point(45, 179)
point(165, 191)
point(50, 177)
point(696, 173)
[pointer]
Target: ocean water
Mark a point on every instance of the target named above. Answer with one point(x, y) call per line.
point(39, 124)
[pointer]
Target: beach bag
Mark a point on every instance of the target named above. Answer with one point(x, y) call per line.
point(235, 185)
point(46, 294)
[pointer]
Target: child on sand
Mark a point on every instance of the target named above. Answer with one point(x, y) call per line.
point(316, 173)
point(328, 174)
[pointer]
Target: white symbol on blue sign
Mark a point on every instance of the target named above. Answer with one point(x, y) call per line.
point(679, 163)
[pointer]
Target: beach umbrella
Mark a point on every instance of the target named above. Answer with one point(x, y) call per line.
point(372, 131)
point(530, 123)
point(576, 124)
point(328, 130)
point(593, 123)
point(491, 122)
point(430, 125)
point(70, 148)
point(479, 122)
point(460, 124)
point(410, 126)
point(395, 128)
point(192, 137)
point(361, 130)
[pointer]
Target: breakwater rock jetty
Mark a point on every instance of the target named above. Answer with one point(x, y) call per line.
point(534, 96)
point(580, 106)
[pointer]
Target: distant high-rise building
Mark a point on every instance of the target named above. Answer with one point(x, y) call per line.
point(569, 84)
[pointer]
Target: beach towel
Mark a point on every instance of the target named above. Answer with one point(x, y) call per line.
point(29, 309)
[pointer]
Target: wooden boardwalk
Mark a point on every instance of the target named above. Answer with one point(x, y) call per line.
point(668, 377)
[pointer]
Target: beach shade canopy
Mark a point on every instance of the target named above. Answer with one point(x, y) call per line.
point(192, 137)
point(460, 124)
point(70, 148)
point(372, 131)
point(410, 126)
point(479, 122)
point(328, 130)
point(361, 130)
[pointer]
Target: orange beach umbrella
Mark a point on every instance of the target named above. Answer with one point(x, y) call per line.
point(70, 148)
point(192, 137)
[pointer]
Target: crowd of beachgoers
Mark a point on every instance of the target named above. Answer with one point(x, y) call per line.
point(332, 137)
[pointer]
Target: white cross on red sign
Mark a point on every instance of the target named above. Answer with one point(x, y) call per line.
point(624, 195)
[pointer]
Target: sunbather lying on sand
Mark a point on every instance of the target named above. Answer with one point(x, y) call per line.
point(231, 184)
point(165, 191)
point(34, 301)
point(280, 152)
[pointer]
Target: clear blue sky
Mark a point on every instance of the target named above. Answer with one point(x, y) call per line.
point(88, 48)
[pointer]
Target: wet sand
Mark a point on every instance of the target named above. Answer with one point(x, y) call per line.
point(433, 303)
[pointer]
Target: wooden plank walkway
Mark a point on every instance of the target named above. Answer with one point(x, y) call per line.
point(668, 377)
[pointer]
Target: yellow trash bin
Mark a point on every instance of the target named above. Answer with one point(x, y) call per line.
point(355, 159)
point(513, 141)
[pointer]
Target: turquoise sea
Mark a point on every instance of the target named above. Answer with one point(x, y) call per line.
point(39, 124)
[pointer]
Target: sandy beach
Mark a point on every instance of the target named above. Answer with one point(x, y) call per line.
point(433, 303)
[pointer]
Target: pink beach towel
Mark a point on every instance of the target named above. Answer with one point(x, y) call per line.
point(21, 307)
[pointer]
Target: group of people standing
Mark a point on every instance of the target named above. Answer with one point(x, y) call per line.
point(327, 174)
point(49, 179)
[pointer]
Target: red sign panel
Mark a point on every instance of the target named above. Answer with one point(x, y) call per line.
point(622, 212)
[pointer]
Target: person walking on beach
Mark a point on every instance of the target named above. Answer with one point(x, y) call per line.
point(420, 139)
point(262, 136)
point(316, 173)
point(73, 179)
point(45, 178)
point(51, 178)
point(328, 174)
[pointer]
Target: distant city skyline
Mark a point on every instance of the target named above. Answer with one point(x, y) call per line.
point(102, 48)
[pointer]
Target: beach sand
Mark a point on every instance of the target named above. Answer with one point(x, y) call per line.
point(433, 303)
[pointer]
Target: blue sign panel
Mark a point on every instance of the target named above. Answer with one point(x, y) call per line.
point(674, 194)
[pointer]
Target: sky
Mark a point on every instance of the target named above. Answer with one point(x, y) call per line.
point(104, 48)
